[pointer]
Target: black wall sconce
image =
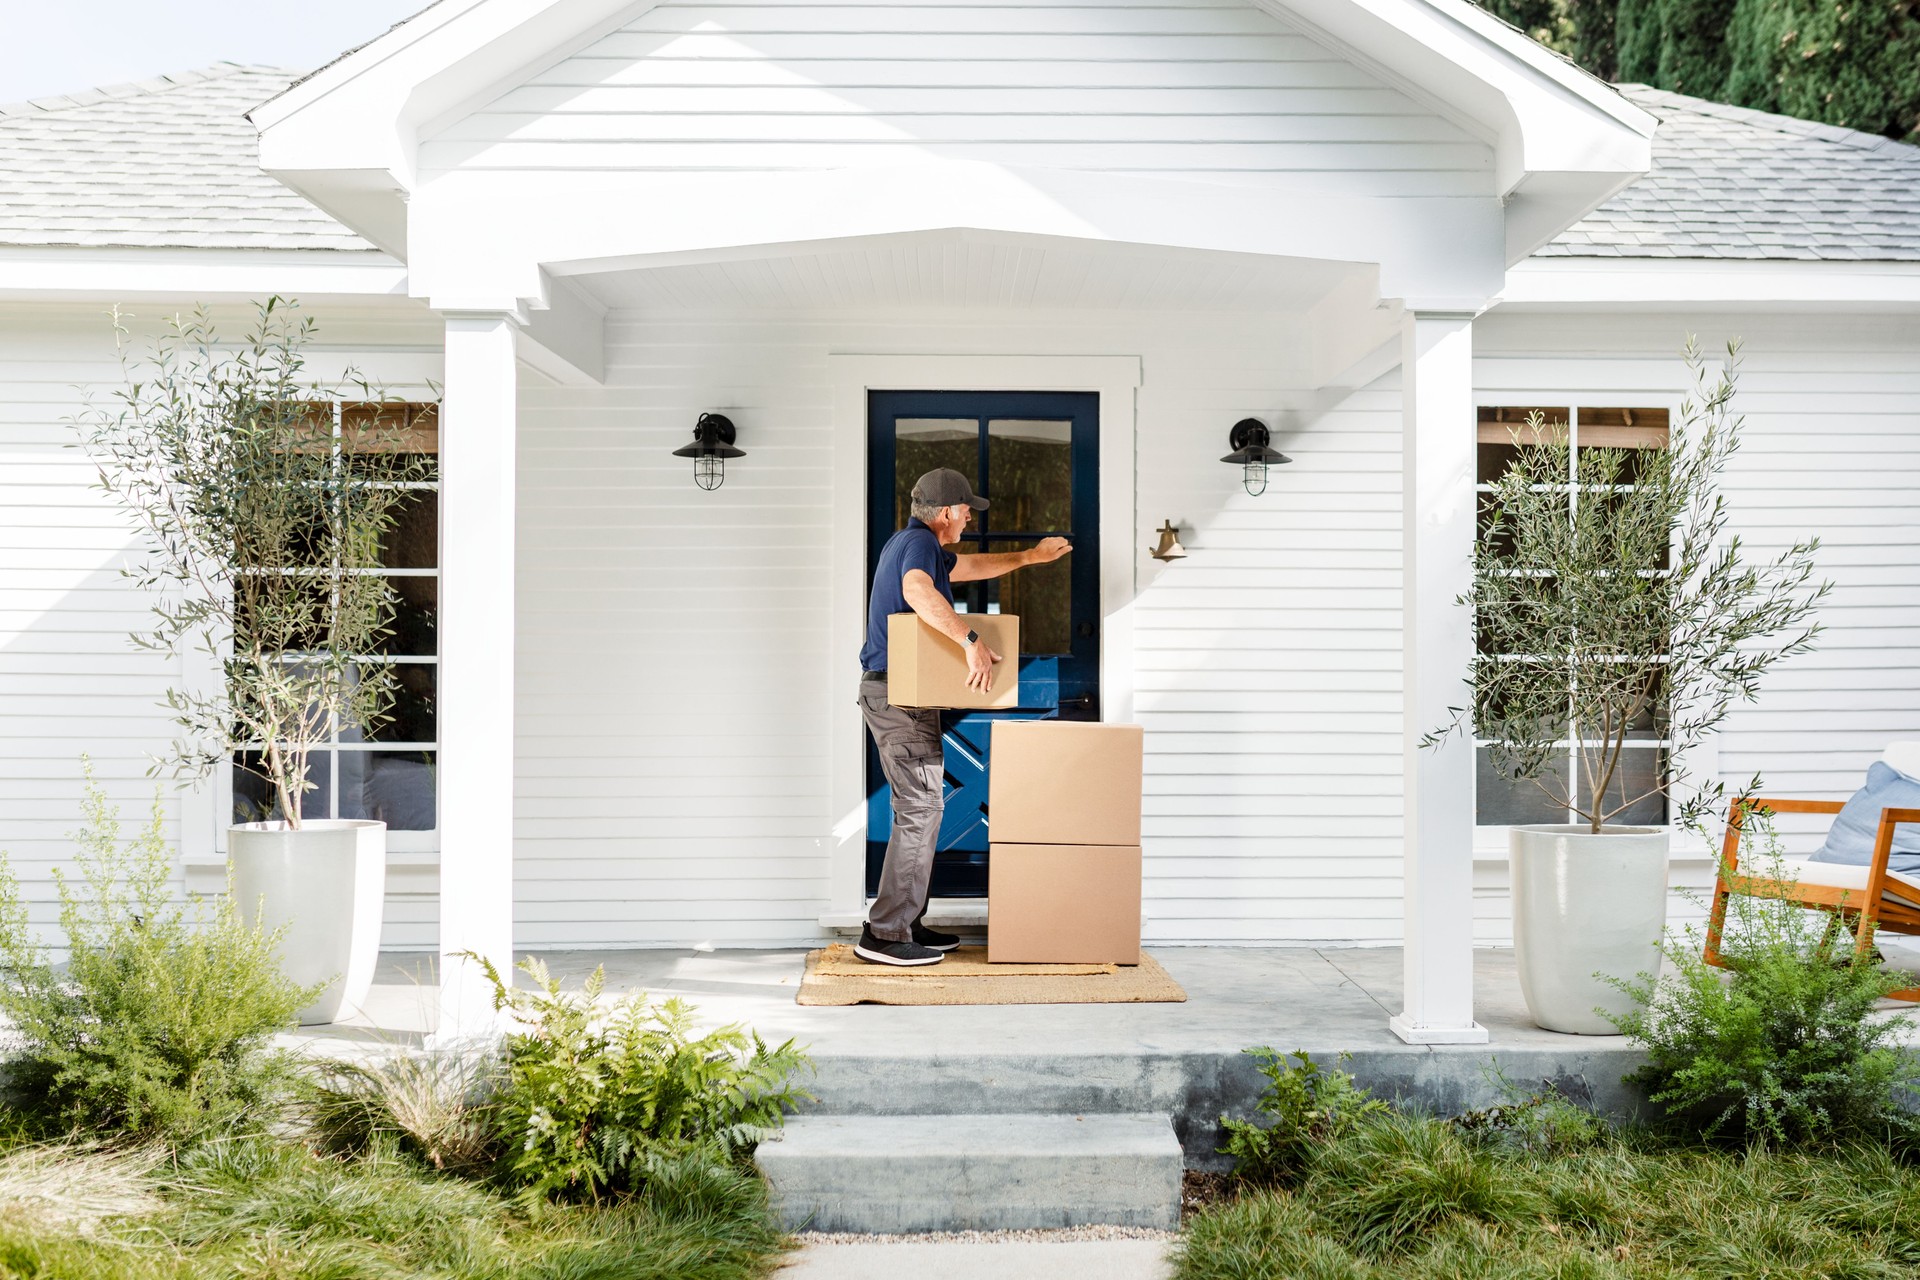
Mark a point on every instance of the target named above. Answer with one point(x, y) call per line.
point(1169, 548)
point(712, 446)
point(1252, 453)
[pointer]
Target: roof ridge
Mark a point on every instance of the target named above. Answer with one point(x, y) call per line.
point(134, 88)
point(1840, 135)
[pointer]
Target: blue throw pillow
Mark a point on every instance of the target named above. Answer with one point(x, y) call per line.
point(1857, 827)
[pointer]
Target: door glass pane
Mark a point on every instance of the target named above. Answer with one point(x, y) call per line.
point(1030, 469)
point(921, 444)
point(412, 540)
point(1040, 595)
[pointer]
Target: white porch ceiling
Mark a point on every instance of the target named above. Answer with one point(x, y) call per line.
point(954, 270)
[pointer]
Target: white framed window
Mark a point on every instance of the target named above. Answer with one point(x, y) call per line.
point(390, 772)
point(1617, 423)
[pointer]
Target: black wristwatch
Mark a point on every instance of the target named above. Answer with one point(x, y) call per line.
point(973, 637)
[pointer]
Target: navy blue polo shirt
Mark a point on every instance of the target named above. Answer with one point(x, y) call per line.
point(914, 547)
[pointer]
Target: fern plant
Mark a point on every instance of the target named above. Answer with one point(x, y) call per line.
point(160, 1023)
point(593, 1100)
point(1307, 1107)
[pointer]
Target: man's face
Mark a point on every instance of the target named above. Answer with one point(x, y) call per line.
point(961, 515)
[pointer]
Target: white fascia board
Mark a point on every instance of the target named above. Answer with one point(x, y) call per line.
point(109, 274)
point(1663, 283)
point(356, 124)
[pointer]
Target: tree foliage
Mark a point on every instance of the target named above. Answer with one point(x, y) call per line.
point(1854, 63)
point(1630, 610)
point(263, 520)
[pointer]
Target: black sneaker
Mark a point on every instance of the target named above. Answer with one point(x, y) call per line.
point(903, 954)
point(933, 939)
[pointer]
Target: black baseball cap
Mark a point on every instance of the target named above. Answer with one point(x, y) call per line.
point(945, 487)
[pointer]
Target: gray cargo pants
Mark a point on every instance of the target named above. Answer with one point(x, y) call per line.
point(909, 743)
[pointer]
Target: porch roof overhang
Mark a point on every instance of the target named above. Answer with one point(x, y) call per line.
point(348, 138)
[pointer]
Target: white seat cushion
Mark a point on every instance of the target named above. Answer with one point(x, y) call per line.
point(1903, 758)
point(1903, 889)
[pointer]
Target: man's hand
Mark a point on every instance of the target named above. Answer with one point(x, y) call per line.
point(1050, 549)
point(980, 660)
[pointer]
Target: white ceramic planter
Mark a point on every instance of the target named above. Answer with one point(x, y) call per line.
point(326, 883)
point(1585, 904)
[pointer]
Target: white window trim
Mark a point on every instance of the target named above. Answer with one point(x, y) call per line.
point(205, 824)
point(1490, 841)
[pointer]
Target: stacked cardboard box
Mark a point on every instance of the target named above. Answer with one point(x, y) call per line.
point(1063, 874)
point(927, 669)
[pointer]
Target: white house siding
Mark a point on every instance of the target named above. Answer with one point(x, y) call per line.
point(675, 654)
point(70, 681)
point(1198, 89)
point(1832, 449)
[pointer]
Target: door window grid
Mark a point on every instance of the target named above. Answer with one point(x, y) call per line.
point(1502, 802)
point(409, 556)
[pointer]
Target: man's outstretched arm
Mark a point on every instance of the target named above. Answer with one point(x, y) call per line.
point(997, 564)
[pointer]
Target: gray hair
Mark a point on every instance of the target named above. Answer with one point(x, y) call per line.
point(926, 512)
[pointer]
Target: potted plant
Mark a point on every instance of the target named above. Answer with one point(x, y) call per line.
point(264, 506)
point(1612, 605)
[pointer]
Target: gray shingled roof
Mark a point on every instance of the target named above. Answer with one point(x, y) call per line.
point(1729, 182)
point(170, 161)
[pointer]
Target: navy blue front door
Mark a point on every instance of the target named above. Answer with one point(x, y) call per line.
point(1036, 455)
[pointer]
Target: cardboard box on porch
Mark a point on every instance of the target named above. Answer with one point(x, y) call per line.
point(926, 669)
point(1063, 904)
point(1063, 782)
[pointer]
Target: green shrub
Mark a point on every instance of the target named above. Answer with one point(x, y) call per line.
point(1307, 1106)
point(593, 1102)
point(1545, 1122)
point(1780, 1048)
point(159, 1024)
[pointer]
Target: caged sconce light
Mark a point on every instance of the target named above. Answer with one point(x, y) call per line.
point(1252, 453)
point(712, 445)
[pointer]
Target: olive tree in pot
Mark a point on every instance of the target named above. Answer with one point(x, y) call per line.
point(1613, 604)
point(263, 508)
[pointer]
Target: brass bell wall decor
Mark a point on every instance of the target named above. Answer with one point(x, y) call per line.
point(1250, 442)
point(712, 445)
point(1169, 548)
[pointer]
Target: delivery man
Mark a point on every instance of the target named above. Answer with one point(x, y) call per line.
point(917, 572)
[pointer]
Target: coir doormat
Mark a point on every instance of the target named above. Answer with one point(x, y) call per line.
point(836, 976)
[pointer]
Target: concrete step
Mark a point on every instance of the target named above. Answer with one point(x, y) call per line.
point(884, 1174)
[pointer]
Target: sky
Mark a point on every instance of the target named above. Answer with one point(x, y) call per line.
point(50, 47)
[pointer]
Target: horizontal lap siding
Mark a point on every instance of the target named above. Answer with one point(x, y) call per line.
point(1221, 92)
point(71, 683)
point(674, 660)
point(1267, 670)
point(1831, 448)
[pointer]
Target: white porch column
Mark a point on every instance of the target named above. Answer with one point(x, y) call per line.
point(1438, 475)
point(476, 667)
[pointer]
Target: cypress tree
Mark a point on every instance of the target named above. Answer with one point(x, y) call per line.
point(1592, 42)
point(1853, 62)
point(1675, 44)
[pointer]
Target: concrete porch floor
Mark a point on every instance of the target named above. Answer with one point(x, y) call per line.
point(1183, 1059)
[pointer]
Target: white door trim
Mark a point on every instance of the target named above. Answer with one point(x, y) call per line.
point(1115, 379)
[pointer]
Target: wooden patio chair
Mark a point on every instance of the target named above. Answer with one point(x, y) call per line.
point(1870, 897)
